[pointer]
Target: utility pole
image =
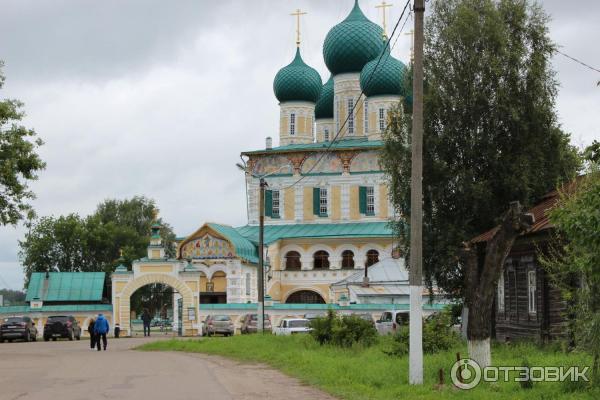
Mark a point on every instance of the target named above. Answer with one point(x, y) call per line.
point(261, 279)
point(416, 205)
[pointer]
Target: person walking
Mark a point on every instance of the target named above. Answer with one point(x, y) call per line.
point(146, 319)
point(101, 328)
point(92, 333)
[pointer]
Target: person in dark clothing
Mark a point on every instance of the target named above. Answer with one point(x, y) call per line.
point(101, 328)
point(146, 319)
point(92, 333)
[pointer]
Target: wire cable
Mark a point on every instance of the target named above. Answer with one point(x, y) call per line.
point(337, 135)
point(577, 61)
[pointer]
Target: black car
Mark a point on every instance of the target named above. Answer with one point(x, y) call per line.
point(18, 328)
point(62, 326)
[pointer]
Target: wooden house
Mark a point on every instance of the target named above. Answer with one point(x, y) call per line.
point(528, 305)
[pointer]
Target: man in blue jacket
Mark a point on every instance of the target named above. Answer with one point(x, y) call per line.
point(101, 328)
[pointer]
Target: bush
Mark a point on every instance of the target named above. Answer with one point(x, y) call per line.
point(345, 331)
point(437, 336)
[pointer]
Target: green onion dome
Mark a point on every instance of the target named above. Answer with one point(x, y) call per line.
point(352, 43)
point(324, 106)
point(387, 79)
point(297, 82)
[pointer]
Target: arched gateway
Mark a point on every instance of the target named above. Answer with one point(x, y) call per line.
point(156, 268)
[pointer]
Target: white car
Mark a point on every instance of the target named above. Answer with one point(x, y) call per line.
point(391, 320)
point(290, 326)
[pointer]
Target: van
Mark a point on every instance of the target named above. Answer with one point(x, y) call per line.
point(390, 321)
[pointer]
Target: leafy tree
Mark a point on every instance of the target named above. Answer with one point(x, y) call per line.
point(19, 162)
point(73, 243)
point(13, 297)
point(490, 128)
point(576, 257)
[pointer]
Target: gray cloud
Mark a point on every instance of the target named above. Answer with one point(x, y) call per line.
point(159, 98)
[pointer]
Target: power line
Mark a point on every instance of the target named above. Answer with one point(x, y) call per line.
point(335, 138)
point(577, 61)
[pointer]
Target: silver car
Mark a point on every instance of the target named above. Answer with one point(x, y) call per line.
point(222, 324)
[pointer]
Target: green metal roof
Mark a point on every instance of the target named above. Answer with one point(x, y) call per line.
point(354, 229)
point(343, 144)
point(66, 286)
point(324, 106)
point(387, 79)
point(244, 248)
point(63, 308)
point(297, 82)
point(352, 43)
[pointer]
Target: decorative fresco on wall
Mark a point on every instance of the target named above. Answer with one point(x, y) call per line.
point(207, 247)
point(365, 161)
point(269, 164)
point(331, 163)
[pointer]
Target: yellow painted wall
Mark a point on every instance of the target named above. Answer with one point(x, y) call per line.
point(300, 124)
point(308, 203)
point(118, 287)
point(156, 268)
point(203, 281)
point(283, 128)
point(354, 209)
point(289, 203)
point(155, 253)
point(359, 114)
point(192, 285)
point(336, 203)
point(220, 281)
point(383, 201)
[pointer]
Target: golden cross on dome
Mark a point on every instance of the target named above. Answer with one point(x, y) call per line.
point(412, 47)
point(297, 14)
point(383, 6)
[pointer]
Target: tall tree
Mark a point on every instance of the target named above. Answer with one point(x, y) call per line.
point(491, 133)
point(19, 162)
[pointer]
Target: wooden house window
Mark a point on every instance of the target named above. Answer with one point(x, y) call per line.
point(531, 291)
point(501, 293)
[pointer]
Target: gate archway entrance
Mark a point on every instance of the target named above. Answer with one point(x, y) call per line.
point(185, 281)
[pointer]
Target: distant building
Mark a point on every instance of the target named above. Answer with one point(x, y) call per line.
point(81, 294)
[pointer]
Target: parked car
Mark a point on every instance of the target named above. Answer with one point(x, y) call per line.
point(291, 326)
point(218, 324)
point(390, 321)
point(311, 316)
point(62, 326)
point(18, 328)
point(250, 323)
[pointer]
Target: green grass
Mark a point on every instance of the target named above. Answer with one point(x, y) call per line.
point(359, 373)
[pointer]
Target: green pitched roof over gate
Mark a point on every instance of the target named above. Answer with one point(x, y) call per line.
point(66, 286)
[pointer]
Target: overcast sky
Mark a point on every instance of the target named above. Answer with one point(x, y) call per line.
point(158, 98)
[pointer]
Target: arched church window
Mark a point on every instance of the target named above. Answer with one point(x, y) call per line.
point(350, 113)
point(372, 257)
point(321, 260)
point(347, 259)
point(292, 261)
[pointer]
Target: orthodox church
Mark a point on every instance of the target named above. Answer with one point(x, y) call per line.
point(327, 205)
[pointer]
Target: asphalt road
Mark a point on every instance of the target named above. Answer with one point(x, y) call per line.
point(72, 371)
